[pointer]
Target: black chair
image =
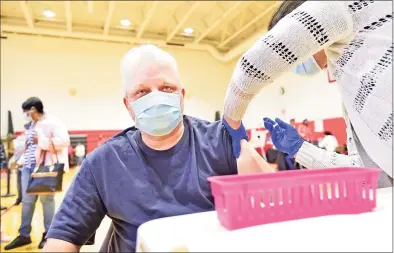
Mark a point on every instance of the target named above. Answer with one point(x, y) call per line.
point(90, 241)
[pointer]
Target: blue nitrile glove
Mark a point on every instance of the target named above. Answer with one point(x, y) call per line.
point(236, 137)
point(284, 136)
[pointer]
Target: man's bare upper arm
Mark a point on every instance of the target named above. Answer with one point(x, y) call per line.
point(250, 161)
point(56, 245)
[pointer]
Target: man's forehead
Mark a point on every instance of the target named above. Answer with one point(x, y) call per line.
point(155, 69)
point(153, 82)
point(154, 75)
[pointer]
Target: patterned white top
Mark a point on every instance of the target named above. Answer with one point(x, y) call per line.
point(357, 38)
point(30, 151)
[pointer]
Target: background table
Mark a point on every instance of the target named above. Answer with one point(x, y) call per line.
point(202, 232)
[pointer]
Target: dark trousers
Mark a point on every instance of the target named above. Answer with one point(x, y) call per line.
point(275, 156)
point(19, 185)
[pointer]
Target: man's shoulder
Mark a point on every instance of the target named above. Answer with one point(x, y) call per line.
point(208, 130)
point(203, 125)
point(214, 142)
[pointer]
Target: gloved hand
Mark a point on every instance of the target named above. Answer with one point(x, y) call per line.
point(236, 136)
point(284, 136)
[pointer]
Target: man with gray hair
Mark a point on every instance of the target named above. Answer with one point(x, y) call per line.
point(158, 168)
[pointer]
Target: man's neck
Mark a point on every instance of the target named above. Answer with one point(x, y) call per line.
point(164, 142)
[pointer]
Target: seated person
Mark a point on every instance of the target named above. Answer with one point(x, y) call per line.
point(158, 168)
point(329, 142)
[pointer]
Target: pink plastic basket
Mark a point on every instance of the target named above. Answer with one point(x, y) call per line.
point(249, 200)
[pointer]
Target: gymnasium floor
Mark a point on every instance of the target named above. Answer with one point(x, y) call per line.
point(11, 220)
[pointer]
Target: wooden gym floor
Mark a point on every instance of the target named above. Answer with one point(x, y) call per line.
point(11, 220)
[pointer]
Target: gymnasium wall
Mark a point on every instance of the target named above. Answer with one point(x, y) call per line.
point(312, 98)
point(50, 67)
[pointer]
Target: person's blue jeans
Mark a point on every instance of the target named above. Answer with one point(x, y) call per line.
point(29, 204)
point(80, 159)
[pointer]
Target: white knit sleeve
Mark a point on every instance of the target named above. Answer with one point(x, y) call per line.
point(311, 27)
point(313, 157)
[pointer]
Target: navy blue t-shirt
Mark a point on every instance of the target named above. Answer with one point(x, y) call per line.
point(133, 184)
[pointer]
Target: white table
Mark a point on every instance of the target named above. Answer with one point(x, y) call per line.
point(202, 232)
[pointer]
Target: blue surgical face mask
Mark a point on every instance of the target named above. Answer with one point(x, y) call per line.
point(308, 67)
point(157, 113)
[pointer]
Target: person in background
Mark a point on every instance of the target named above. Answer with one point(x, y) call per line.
point(355, 40)
point(3, 166)
point(287, 139)
point(18, 160)
point(100, 140)
point(329, 142)
point(292, 122)
point(70, 155)
point(159, 168)
point(80, 153)
point(44, 132)
point(304, 130)
point(3, 162)
point(3, 157)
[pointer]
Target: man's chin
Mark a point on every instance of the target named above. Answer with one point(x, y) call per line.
point(158, 137)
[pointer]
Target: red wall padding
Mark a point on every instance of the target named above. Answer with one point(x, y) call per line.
point(335, 125)
point(92, 137)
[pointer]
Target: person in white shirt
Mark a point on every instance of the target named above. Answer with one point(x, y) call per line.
point(352, 38)
point(17, 160)
point(44, 132)
point(329, 142)
point(80, 153)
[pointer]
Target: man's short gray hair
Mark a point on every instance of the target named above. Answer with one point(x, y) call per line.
point(142, 62)
point(285, 8)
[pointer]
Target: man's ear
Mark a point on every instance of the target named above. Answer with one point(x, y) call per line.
point(183, 99)
point(125, 102)
point(128, 107)
point(183, 92)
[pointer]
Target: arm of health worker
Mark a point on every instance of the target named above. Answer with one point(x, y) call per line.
point(248, 160)
point(287, 140)
point(289, 43)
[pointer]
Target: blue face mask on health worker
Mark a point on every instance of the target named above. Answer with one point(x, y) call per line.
point(308, 67)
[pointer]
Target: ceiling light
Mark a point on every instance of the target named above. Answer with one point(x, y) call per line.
point(188, 30)
point(125, 22)
point(49, 14)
